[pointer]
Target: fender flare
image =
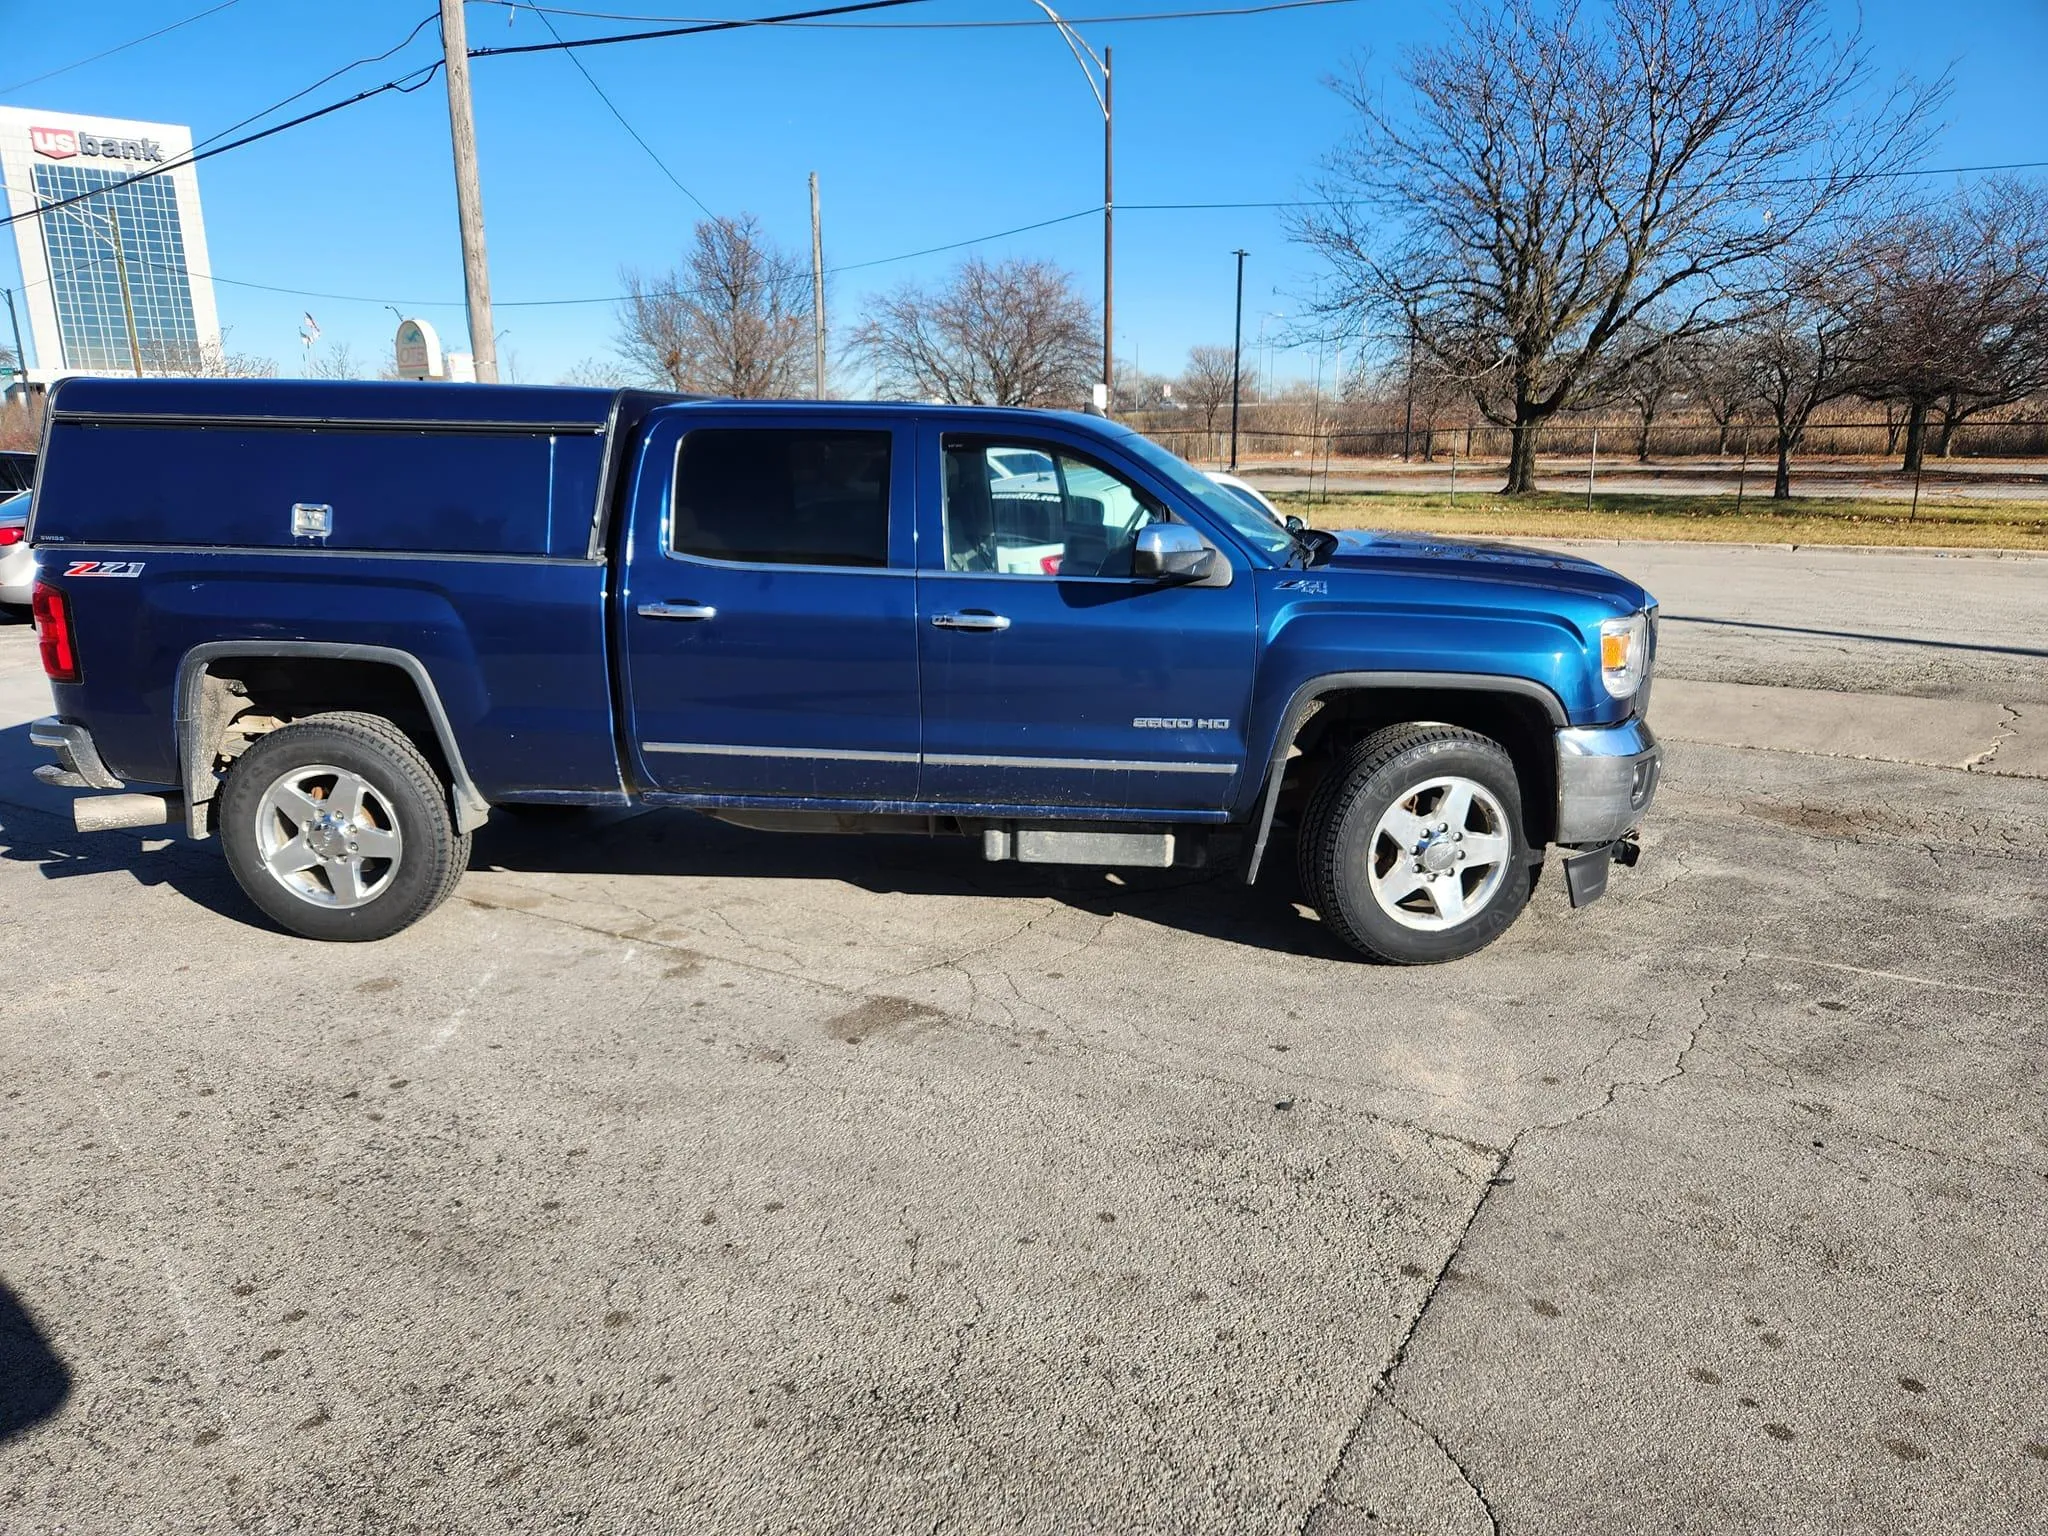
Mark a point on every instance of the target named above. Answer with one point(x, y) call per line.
point(1333, 682)
point(465, 802)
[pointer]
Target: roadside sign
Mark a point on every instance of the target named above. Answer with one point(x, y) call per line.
point(419, 350)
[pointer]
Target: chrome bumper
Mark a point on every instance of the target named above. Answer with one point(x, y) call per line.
point(78, 764)
point(1606, 778)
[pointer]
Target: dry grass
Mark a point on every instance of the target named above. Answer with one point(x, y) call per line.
point(1801, 520)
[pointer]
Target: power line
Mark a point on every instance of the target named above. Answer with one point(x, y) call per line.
point(694, 29)
point(199, 150)
point(609, 298)
point(108, 53)
point(426, 74)
point(612, 107)
point(518, 6)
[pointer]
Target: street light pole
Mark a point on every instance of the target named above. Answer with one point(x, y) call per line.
point(1085, 56)
point(1237, 357)
point(1108, 244)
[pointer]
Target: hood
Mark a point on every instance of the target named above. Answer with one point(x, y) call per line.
point(1486, 560)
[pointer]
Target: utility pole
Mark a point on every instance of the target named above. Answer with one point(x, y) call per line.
point(818, 284)
point(20, 357)
point(1237, 357)
point(469, 197)
point(127, 297)
point(1108, 245)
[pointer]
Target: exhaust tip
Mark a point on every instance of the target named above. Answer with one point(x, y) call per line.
point(108, 813)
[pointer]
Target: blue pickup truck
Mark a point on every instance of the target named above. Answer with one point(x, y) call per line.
point(338, 625)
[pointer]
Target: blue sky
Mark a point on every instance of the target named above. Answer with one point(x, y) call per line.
point(920, 138)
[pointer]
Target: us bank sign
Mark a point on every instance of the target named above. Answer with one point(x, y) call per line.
point(63, 143)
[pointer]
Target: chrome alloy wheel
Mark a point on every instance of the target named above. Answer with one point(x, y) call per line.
point(328, 836)
point(1440, 854)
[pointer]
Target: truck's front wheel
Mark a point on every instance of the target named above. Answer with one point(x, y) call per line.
point(1412, 848)
point(338, 828)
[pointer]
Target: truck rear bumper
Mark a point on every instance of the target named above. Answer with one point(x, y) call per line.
point(78, 764)
point(1606, 779)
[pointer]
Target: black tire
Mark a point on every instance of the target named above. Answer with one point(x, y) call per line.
point(411, 793)
point(1337, 833)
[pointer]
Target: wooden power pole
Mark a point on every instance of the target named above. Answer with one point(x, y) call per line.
point(818, 286)
point(469, 197)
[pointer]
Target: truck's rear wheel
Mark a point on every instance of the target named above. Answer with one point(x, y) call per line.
point(1412, 849)
point(338, 828)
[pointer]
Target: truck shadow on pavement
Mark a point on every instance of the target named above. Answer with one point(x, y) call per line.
point(34, 1383)
point(1212, 901)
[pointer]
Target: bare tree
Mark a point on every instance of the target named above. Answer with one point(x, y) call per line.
point(1559, 179)
point(1013, 333)
point(21, 421)
point(1956, 309)
point(337, 360)
point(209, 359)
point(596, 373)
point(734, 319)
point(1716, 377)
point(1660, 373)
point(1803, 352)
point(1137, 390)
point(1206, 381)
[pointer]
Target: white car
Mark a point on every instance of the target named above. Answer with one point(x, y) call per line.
point(1249, 496)
point(17, 561)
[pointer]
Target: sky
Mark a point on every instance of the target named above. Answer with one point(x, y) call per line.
point(921, 137)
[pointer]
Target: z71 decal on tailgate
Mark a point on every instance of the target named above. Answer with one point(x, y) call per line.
point(105, 568)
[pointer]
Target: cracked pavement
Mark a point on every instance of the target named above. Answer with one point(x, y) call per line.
point(678, 1178)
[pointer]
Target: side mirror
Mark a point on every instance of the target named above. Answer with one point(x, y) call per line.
point(1171, 552)
point(1294, 524)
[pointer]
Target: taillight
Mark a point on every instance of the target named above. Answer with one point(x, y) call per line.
point(9, 536)
point(53, 634)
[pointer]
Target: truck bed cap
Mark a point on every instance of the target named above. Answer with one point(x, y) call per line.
point(317, 401)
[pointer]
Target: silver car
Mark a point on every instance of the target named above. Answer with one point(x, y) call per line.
point(17, 562)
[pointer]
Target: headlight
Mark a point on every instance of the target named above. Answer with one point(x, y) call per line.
point(1624, 654)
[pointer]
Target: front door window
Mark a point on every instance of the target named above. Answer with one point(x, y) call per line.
point(1013, 509)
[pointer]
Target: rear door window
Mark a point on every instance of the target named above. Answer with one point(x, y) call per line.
point(782, 496)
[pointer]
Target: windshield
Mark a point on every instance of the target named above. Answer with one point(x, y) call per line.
point(1255, 528)
point(1250, 498)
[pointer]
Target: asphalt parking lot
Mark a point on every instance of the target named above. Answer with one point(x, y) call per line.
point(675, 1178)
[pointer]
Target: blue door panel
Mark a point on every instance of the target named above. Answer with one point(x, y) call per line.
point(797, 681)
point(1098, 692)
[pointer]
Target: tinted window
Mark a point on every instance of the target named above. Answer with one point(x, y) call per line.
point(17, 472)
point(783, 496)
point(1019, 511)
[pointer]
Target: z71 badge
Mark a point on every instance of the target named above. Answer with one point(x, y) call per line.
point(105, 568)
point(1307, 585)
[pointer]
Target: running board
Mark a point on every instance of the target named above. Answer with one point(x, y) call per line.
point(1032, 845)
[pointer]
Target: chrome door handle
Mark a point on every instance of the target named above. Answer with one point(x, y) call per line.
point(677, 611)
point(986, 623)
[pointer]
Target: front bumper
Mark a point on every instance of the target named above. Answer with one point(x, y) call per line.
point(1606, 779)
point(78, 764)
